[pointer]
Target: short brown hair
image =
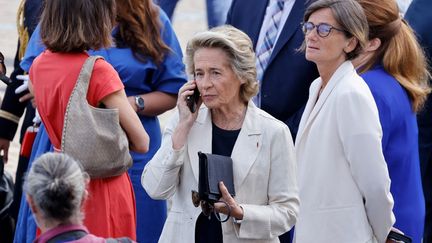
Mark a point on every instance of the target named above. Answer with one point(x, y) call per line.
point(77, 25)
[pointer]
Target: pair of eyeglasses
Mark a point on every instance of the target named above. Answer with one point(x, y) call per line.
point(323, 29)
point(207, 208)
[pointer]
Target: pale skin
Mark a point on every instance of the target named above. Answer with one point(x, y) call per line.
point(156, 103)
point(220, 92)
point(328, 53)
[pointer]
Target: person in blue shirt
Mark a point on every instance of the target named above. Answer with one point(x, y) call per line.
point(148, 58)
point(419, 17)
point(394, 67)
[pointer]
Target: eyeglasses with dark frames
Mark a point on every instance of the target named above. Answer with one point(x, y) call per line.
point(322, 29)
point(207, 208)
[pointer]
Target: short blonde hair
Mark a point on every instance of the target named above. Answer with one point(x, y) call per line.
point(238, 47)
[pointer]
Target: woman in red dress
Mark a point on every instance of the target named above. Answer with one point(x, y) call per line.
point(68, 29)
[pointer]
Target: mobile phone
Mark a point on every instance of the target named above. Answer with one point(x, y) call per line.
point(5, 79)
point(192, 100)
point(398, 237)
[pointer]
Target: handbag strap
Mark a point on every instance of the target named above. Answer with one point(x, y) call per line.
point(79, 92)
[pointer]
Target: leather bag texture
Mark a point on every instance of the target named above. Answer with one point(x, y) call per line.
point(214, 168)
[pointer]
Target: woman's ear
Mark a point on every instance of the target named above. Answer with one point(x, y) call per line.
point(373, 44)
point(351, 45)
point(32, 204)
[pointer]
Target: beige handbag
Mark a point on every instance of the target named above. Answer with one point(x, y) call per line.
point(93, 135)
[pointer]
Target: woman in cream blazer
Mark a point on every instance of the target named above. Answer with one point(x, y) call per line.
point(344, 184)
point(263, 154)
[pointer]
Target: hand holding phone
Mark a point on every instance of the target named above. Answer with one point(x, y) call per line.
point(192, 100)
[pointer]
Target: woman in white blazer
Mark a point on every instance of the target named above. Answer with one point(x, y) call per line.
point(266, 202)
point(344, 185)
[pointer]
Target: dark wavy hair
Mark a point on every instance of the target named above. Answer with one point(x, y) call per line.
point(77, 25)
point(140, 29)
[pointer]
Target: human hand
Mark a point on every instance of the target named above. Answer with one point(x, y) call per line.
point(185, 114)
point(4, 146)
point(236, 210)
point(24, 88)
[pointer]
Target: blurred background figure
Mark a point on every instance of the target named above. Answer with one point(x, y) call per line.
point(229, 124)
point(344, 184)
point(7, 223)
point(56, 191)
point(419, 17)
point(395, 69)
point(12, 108)
point(216, 10)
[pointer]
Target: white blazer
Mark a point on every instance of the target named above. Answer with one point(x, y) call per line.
point(344, 184)
point(264, 179)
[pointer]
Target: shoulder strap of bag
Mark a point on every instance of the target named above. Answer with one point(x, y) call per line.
point(80, 89)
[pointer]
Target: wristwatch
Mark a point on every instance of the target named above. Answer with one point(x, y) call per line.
point(139, 102)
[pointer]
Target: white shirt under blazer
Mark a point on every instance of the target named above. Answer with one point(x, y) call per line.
point(344, 185)
point(264, 179)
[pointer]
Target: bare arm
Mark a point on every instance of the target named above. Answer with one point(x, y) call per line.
point(138, 137)
point(156, 103)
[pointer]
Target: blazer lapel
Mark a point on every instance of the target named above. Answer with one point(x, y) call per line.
point(291, 25)
point(313, 95)
point(340, 72)
point(199, 139)
point(247, 146)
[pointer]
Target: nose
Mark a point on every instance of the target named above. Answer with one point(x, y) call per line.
point(312, 34)
point(205, 82)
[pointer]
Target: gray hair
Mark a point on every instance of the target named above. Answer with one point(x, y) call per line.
point(57, 185)
point(238, 47)
point(350, 16)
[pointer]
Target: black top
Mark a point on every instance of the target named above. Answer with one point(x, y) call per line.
point(209, 229)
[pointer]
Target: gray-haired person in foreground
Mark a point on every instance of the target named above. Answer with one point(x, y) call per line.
point(55, 188)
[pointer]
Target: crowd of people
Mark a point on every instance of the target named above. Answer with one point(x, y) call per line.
point(322, 105)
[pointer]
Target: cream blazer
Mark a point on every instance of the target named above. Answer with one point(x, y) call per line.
point(344, 184)
point(264, 179)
